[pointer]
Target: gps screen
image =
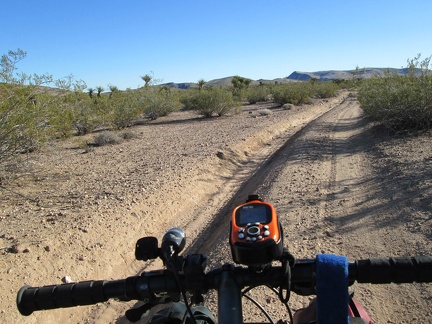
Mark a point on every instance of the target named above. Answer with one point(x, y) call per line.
point(256, 213)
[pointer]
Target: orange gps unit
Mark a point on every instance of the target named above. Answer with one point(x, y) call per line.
point(256, 236)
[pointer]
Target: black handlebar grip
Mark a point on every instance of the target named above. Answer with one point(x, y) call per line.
point(30, 299)
point(58, 296)
point(397, 270)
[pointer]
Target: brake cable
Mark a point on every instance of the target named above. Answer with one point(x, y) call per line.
point(251, 299)
point(170, 263)
point(288, 262)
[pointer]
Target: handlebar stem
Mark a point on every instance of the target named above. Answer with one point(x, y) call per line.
point(229, 297)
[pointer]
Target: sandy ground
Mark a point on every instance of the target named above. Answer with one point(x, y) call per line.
point(339, 185)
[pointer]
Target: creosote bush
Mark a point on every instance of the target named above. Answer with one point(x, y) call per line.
point(213, 102)
point(298, 93)
point(29, 114)
point(259, 93)
point(400, 102)
point(157, 102)
point(123, 109)
point(322, 90)
point(295, 93)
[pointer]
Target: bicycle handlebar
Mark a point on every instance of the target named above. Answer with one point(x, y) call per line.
point(376, 271)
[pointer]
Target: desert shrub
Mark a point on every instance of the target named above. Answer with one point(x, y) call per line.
point(86, 114)
point(400, 101)
point(257, 94)
point(298, 93)
point(210, 102)
point(157, 102)
point(28, 113)
point(22, 123)
point(324, 89)
point(185, 98)
point(107, 137)
point(72, 112)
point(347, 84)
point(264, 112)
point(124, 109)
point(287, 106)
point(295, 93)
point(60, 114)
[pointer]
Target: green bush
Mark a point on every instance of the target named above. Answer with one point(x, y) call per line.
point(124, 109)
point(185, 98)
point(73, 112)
point(298, 93)
point(400, 102)
point(61, 115)
point(258, 94)
point(86, 114)
point(23, 123)
point(157, 102)
point(324, 89)
point(24, 117)
point(295, 93)
point(215, 101)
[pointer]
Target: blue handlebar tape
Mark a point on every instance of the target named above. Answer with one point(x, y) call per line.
point(332, 289)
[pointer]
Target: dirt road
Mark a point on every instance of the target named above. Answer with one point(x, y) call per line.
point(339, 186)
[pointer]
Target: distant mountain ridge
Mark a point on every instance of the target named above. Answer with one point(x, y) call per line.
point(344, 75)
point(301, 76)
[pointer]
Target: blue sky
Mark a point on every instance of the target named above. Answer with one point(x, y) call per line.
point(116, 42)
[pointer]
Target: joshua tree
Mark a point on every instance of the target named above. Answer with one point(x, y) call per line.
point(146, 78)
point(201, 83)
point(113, 89)
point(99, 91)
point(239, 82)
